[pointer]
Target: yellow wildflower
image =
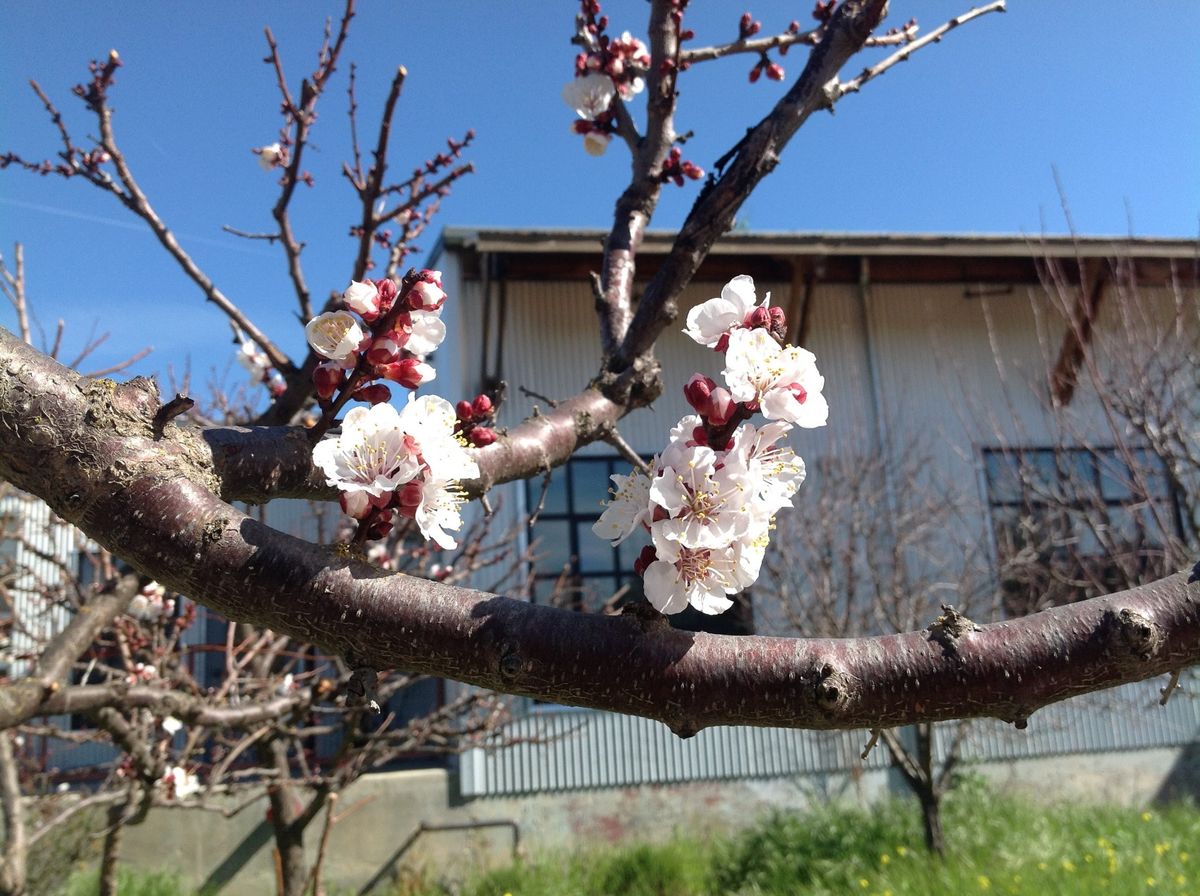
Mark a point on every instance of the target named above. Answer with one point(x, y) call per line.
point(884, 859)
point(983, 881)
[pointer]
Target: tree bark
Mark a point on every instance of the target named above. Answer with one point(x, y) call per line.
point(90, 450)
point(931, 820)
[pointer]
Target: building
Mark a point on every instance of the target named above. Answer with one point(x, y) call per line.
point(952, 342)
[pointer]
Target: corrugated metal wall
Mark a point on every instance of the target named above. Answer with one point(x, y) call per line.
point(563, 750)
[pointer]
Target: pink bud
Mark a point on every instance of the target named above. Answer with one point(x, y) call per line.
point(481, 436)
point(327, 378)
point(408, 372)
point(425, 296)
point(697, 391)
point(700, 435)
point(722, 343)
point(355, 504)
point(759, 317)
point(381, 501)
point(387, 294)
point(377, 393)
point(409, 494)
point(482, 406)
point(721, 407)
point(385, 349)
point(644, 559)
point(464, 410)
point(775, 71)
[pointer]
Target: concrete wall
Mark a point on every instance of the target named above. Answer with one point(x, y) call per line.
point(383, 812)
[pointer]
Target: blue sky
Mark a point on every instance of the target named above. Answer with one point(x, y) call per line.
point(962, 138)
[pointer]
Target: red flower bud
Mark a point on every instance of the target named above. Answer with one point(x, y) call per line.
point(387, 294)
point(326, 379)
point(759, 317)
point(376, 393)
point(482, 406)
point(697, 391)
point(775, 71)
point(721, 407)
point(464, 410)
point(481, 436)
point(409, 494)
point(644, 559)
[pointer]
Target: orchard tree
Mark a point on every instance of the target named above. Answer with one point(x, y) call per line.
point(156, 488)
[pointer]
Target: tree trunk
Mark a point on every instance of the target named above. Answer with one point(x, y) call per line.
point(931, 819)
point(108, 883)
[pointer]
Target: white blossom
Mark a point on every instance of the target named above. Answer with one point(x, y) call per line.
point(701, 577)
point(429, 421)
point(427, 334)
point(705, 500)
point(439, 511)
point(709, 321)
point(628, 508)
point(370, 455)
point(254, 360)
point(589, 95)
point(773, 472)
point(334, 334)
point(185, 783)
point(269, 156)
point(362, 297)
point(172, 725)
point(784, 381)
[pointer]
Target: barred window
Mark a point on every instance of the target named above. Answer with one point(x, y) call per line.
point(1072, 523)
point(576, 569)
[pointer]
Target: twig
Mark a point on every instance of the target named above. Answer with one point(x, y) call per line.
point(788, 39)
point(1172, 686)
point(875, 732)
point(874, 71)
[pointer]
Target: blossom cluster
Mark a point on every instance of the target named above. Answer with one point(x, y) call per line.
point(391, 464)
point(408, 463)
point(380, 335)
point(611, 67)
point(709, 499)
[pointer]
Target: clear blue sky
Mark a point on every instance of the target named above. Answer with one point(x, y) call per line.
point(962, 138)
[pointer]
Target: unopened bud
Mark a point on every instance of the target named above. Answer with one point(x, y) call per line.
point(326, 379)
point(464, 410)
point(481, 436)
point(482, 406)
point(697, 391)
point(355, 504)
point(409, 494)
point(644, 559)
point(721, 407)
point(376, 393)
point(759, 317)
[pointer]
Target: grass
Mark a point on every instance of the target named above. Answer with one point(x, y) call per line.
point(997, 846)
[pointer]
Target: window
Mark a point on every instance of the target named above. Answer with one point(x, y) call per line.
point(1071, 523)
point(577, 570)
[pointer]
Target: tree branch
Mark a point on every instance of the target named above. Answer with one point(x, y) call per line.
point(92, 456)
point(25, 698)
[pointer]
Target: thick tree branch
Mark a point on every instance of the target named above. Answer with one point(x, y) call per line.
point(88, 450)
point(755, 156)
point(26, 697)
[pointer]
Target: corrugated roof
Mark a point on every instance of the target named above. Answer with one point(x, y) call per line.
point(570, 240)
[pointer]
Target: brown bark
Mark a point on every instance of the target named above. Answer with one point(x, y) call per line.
point(25, 697)
point(89, 450)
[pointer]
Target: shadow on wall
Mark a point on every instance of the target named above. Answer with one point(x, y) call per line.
point(257, 839)
point(1183, 782)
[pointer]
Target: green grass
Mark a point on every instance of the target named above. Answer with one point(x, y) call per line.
point(996, 846)
point(129, 883)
